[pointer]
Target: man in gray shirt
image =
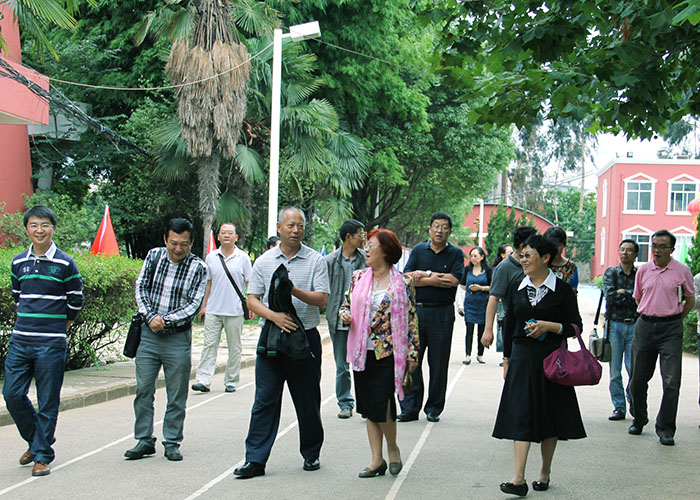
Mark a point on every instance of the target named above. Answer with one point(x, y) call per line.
point(341, 264)
point(308, 273)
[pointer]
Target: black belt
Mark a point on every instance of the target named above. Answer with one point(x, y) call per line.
point(433, 304)
point(176, 329)
point(627, 321)
point(661, 319)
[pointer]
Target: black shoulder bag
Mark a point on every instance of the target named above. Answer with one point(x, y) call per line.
point(599, 347)
point(133, 337)
point(244, 302)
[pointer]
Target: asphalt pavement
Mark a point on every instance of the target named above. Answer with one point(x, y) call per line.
point(454, 458)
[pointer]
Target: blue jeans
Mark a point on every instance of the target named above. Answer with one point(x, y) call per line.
point(342, 369)
point(46, 364)
point(621, 336)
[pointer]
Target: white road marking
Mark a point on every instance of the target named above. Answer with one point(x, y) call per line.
point(419, 446)
point(227, 473)
point(113, 443)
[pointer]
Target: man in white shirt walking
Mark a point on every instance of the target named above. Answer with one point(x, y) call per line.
point(222, 308)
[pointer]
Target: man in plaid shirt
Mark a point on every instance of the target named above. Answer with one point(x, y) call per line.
point(169, 291)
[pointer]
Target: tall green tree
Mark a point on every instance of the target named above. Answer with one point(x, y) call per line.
point(629, 66)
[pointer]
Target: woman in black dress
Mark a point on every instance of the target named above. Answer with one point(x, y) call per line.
point(534, 409)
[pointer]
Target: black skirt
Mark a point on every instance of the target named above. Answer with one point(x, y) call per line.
point(532, 407)
point(374, 388)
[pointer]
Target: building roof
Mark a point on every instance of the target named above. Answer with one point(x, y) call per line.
point(634, 161)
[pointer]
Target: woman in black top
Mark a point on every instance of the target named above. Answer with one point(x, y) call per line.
point(532, 408)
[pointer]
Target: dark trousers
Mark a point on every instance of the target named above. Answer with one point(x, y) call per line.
point(303, 379)
point(435, 325)
point(469, 338)
point(652, 341)
point(46, 364)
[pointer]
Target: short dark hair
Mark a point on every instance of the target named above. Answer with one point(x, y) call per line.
point(543, 245)
point(227, 223)
point(556, 234)
point(441, 216)
point(389, 243)
point(501, 250)
point(664, 232)
point(350, 227)
point(632, 242)
point(40, 212)
point(521, 234)
point(272, 241)
point(178, 226)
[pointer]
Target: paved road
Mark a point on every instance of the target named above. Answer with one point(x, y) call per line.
point(455, 458)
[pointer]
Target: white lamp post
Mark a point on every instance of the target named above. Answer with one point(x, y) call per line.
point(297, 33)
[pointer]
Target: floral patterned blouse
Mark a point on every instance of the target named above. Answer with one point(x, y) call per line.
point(380, 327)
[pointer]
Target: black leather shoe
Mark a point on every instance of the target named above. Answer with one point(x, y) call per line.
point(311, 464)
point(142, 449)
point(407, 417)
point(617, 415)
point(379, 471)
point(635, 429)
point(200, 387)
point(666, 440)
point(432, 417)
point(172, 453)
point(249, 469)
point(514, 489)
point(540, 486)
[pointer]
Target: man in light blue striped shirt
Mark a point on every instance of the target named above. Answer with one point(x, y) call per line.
point(47, 288)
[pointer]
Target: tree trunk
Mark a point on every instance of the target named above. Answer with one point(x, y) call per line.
point(209, 193)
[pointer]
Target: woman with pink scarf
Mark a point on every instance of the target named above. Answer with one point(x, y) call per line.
point(380, 308)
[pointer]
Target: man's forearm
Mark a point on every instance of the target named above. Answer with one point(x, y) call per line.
point(688, 305)
point(317, 299)
point(491, 309)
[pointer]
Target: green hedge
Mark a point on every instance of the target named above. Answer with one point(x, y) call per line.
point(108, 287)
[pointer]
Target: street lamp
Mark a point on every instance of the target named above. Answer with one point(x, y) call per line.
point(297, 33)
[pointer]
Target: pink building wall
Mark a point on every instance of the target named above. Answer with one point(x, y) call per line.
point(18, 107)
point(614, 219)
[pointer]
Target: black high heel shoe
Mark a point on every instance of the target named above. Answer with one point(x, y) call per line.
point(514, 489)
point(379, 471)
point(540, 486)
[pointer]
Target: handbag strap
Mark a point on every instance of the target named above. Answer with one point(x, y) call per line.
point(597, 313)
point(228, 273)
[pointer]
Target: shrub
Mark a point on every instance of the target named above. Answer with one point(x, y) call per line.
point(690, 331)
point(108, 287)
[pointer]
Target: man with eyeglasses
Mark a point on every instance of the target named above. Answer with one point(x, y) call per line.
point(437, 267)
point(665, 294)
point(621, 315)
point(341, 264)
point(47, 288)
point(169, 291)
point(222, 309)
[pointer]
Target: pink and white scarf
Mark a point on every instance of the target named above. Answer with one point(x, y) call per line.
point(360, 310)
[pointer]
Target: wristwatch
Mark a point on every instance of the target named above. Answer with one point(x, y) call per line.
point(428, 273)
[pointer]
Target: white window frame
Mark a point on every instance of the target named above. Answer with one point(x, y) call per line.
point(605, 198)
point(640, 177)
point(681, 179)
point(602, 247)
point(681, 232)
point(638, 231)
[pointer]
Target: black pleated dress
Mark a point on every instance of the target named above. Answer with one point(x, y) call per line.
point(532, 408)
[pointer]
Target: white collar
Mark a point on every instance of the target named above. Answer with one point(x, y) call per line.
point(550, 282)
point(233, 254)
point(49, 253)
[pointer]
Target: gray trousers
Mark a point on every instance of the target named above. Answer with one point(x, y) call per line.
point(651, 341)
point(342, 369)
point(174, 353)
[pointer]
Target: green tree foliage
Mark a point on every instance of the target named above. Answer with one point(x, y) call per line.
point(501, 226)
point(580, 246)
point(610, 60)
point(694, 253)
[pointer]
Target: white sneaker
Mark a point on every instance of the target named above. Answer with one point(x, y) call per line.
point(345, 413)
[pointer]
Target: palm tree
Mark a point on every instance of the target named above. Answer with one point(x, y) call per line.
point(35, 18)
point(207, 48)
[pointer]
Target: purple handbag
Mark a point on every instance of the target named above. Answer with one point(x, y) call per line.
point(572, 368)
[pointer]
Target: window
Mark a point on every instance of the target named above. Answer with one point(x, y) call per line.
point(602, 247)
point(683, 243)
point(644, 242)
point(639, 196)
point(682, 193)
point(605, 197)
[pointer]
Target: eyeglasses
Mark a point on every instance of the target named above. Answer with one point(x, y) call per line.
point(44, 225)
point(660, 247)
point(528, 255)
point(371, 247)
point(627, 250)
point(436, 227)
point(227, 233)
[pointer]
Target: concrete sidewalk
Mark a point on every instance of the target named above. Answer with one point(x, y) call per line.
point(89, 386)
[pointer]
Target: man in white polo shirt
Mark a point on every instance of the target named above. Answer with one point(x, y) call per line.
point(222, 308)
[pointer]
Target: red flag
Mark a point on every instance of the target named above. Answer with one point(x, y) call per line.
point(105, 242)
point(212, 243)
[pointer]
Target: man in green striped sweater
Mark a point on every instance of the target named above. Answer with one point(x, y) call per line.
point(48, 291)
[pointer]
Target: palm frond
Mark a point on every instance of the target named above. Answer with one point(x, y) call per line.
point(300, 90)
point(334, 210)
point(249, 161)
point(49, 11)
point(232, 209)
point(143, 28)
point(256, 18)
point(181, 24)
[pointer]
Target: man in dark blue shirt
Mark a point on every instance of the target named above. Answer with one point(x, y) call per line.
point(436, 267)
